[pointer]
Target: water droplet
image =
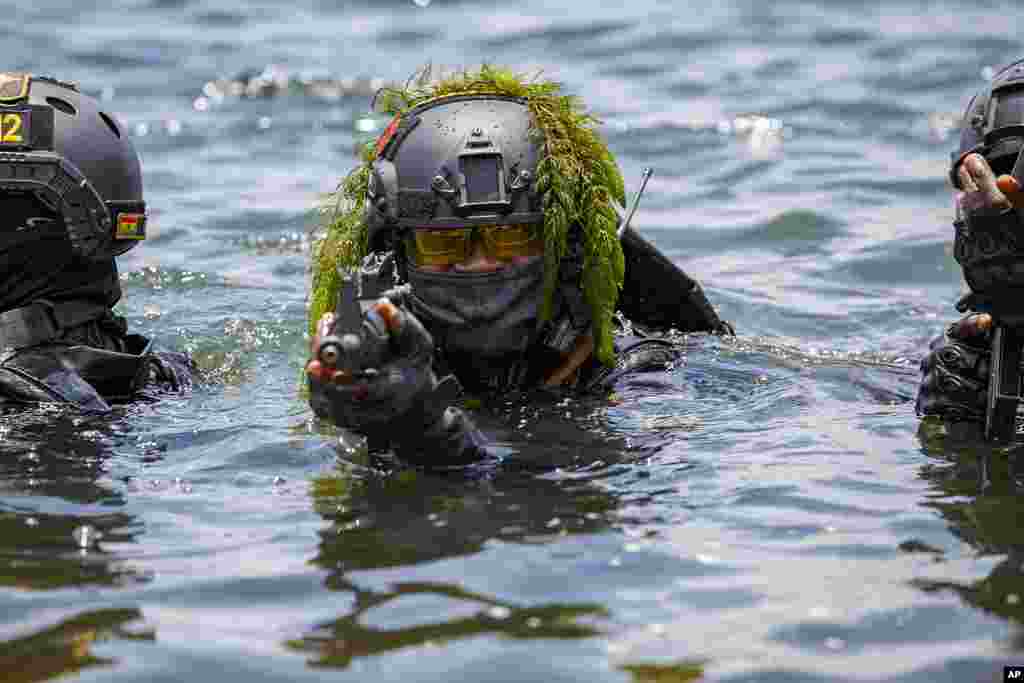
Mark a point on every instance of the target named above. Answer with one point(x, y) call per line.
point(151, 312)
point(265, 122)
point(499, 612)
point(835, 643)
point(142, 129)
point(31, 522)
point(421, 3)
point(533, 622)
point(201, 103)
point(86, 536)
point(365, 124)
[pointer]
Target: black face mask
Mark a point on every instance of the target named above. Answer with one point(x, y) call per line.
point(486, 314)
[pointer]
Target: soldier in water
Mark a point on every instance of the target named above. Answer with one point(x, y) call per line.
point(71, 199)
point(988, 223)
point(482, 247)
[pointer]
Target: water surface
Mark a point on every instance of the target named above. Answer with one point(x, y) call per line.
point(777, 515)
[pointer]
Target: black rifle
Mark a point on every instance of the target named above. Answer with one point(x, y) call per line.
point(361, 339)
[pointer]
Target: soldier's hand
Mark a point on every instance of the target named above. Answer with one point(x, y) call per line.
point(983, 192)
point(954, 382)
point(371, 400)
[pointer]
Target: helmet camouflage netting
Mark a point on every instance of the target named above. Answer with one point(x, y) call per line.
point(576, 176)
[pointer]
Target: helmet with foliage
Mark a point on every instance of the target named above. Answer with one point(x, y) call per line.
point(484, 147)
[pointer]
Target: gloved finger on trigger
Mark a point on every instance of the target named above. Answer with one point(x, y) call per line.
point(412, 337)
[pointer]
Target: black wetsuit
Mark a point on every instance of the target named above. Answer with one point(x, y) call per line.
point(60, 342)
point(90, 366)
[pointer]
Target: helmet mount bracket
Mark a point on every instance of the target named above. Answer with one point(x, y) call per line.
point(480, 183)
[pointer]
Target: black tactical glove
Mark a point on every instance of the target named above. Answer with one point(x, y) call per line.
point(401, 403)
point(371, 399)
point(954, 382)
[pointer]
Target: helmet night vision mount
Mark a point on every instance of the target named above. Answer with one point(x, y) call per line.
point(453, 162)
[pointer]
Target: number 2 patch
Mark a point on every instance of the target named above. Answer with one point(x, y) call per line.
point(14, 127)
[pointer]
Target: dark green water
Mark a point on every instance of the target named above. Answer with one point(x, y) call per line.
point(771, 512)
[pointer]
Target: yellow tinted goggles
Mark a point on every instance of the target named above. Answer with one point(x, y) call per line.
point(448, 246)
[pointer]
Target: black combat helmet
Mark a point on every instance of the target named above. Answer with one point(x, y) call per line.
point(453, 162)
point(70, 194)
point(57, 145)
point(993, 124)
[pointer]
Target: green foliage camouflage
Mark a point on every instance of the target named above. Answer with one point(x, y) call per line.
point(576, 176)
